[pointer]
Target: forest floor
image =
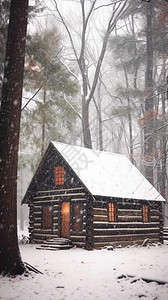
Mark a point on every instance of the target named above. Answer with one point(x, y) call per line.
point(77, 274)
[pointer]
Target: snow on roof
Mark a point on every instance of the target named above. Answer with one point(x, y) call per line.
point(108, 174)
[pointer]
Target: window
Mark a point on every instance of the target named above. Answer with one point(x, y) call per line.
point(47, 217)
point(112, 214)
point(77, 217)
point(145, 213)
point(59, 175)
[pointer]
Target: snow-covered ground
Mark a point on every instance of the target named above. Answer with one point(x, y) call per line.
point(77, 274)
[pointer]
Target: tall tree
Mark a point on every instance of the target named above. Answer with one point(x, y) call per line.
point(4, 19)
point(149, 93)
point(88, 10)
point(10, 259)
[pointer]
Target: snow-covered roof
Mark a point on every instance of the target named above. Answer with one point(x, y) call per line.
point(108, 174)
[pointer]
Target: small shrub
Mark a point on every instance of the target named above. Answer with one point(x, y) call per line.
point(23, 240)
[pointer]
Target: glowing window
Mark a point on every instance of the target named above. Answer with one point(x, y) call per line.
point(59, 175)
point(111, 212)
point(145, 213)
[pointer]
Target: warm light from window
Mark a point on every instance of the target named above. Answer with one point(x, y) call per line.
point(59, 175)
point(111, 212)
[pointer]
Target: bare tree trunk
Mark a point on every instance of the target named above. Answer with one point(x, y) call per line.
point(85, 125)
point(43, 121)
point(117, 9)
point(10, 259)
point(149, 101)
point(131, 154)
point(100, 127)
point(98, 107)
point(163, 140)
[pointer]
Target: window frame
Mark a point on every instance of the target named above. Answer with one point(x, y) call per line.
point(73, 217)
point(145, 213)
point(47, 210)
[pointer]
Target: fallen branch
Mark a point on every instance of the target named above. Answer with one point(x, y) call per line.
point(148, 280)
point(31, 268)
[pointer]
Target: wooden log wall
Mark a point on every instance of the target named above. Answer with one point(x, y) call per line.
point(128, 227)
point(54, 198)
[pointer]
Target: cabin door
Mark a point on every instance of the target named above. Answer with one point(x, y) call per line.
point(65, 219)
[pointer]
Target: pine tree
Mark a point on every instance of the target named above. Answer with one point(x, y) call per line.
point(49, 117)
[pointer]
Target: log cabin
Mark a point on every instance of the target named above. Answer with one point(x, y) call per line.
point(94, 198)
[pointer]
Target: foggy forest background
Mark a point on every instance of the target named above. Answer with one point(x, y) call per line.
point(95, 76)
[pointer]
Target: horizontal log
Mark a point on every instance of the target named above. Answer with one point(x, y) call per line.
point(99, 209)
point(44, 235)
point(100, 218)
point(37, 213)
point(37, 207)
point(41, 201)
point(78, 199)
point(129, 218)
point(100, 204)
point(74, 233)
point(45, 231)
point(58, 196)
point(103, 225)
point(122, 243)
point(36, 219)
point(129, 212)
point(100, 212)
point(77, 239)
point(123, 205)
point(126, 237)
point(36, 225)
point(155, 212)
point(154, 218)
point(79, 244)
point(123, 231)
point(62, 190)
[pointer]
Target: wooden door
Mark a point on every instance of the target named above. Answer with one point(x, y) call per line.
point(65, 214)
